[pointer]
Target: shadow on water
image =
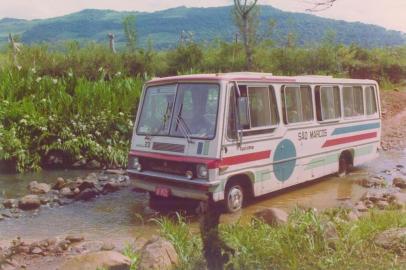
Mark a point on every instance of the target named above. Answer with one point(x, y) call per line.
point(126, 214)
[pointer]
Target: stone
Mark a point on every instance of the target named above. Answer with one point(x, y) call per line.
point(37, 251)
point(44, 200)
point(382, 205)
point(1, 217)
point(87, 194)
point(74, 238)
point(59, 184)
point(87, 184)
point(108, 246)
point(66, 192)
point(93, 164)
point(372, 182)
point(399, 182)
point(393, 239)
point(63, 244)
point(109, 260)
point(158, 254)
point(272, 216)
point(29, 202)
point(360, 206)
point(10, 203)
point(91, 176)
point(111, 187)
point(90, 246)
point(38, 188)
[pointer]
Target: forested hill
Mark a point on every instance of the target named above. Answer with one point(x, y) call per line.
point(163, 28)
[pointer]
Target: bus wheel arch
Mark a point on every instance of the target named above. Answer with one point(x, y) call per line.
point(345, 162)
point(238, 190)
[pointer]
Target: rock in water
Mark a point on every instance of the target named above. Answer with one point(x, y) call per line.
point(59, 184)
point(66, 192)
point(10, 203)
point(38, 188)
point(29, 202)
point(158, 254)
point(399, 182)
point(87, 194)
point(109, 260)
point(272, 216)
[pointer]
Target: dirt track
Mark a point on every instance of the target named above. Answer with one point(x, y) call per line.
point(394, 120)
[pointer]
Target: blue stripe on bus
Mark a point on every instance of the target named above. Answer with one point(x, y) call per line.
point(350, 129)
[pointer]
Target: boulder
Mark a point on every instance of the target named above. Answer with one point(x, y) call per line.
point(29, 202)
point(87, 194)
point(399, 182)
point(393, 239)
point(74, 238)
point(109, 260)
point(111, 187)
point(66, 192)
point(38, 188)
point(108, 246)
point(87, 183)
point(272, 216)
point(158, 254)
point(10, 203)
point(59, 184)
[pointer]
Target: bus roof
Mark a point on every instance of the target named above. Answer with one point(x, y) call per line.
point(257, 77)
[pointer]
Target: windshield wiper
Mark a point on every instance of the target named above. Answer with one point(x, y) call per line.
point(180, 122)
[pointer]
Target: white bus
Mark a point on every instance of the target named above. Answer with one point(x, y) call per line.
point(232, 136)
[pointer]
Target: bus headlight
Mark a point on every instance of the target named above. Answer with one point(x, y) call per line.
point(202, 171)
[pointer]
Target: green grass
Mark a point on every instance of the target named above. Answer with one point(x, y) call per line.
point(300, 244)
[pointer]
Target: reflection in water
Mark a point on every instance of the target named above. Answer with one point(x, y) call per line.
point(124, 215)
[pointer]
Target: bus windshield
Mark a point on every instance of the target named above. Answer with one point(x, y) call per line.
point(180, 110)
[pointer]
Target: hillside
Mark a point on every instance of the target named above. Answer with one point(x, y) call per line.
point(207, 24)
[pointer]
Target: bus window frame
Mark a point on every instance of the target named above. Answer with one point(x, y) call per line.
point(340, 95)
point(365, 103)
point(284, 110)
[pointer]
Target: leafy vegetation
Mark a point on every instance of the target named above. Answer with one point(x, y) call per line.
point(305, 242)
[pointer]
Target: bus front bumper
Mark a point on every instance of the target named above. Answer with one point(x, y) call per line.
point(198, 189)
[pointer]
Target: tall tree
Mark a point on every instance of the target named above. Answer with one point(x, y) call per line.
point(130, 32)
point(246, 15)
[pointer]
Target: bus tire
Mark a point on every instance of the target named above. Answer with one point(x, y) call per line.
point(234, 197)
point(344, 164)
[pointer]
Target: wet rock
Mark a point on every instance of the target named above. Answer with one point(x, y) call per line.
point(66, 192)
point(29, 202)
point(92, 177)
point(399, 182)
point(272, 216)
point(10, 203)
point(76, 191)
point(93, 164)
point(74, 238)
point(37, 251)
point(89, 246)
point(38, 188)
point(59, 184)
point(44, 200)
point(158, 254)
point(361, 207)
point(1, 217)
point(111, 260)
point(87, 194)
point(87, 184)
point(393, 239)
point(400, 166)
point(108, 246)
point(111, 187)
point(79, 164)
point(372, 182)
point(63, 244)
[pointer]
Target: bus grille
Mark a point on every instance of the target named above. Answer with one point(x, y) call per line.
point(178, 148)
point(166, 166)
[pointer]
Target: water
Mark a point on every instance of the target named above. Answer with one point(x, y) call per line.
point(122, 216)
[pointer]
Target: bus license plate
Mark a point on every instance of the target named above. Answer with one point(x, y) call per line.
point(162, 192)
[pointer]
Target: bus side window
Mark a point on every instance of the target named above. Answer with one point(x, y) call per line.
point(328, 104)
point(298, 104)
point(370, 100)
point(232, 116)
point(353, 101)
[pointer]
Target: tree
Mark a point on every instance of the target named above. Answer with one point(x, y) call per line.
point(130, 33)
point(246, 15)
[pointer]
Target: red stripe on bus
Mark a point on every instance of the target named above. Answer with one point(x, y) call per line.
point(211, 163)
point(348, 139)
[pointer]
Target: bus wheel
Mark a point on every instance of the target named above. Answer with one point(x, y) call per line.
point(234, 197)
point(344, 165)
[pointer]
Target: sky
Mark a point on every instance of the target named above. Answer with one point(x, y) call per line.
point(390, 14)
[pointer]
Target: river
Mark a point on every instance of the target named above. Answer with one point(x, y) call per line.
point(122, 216)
